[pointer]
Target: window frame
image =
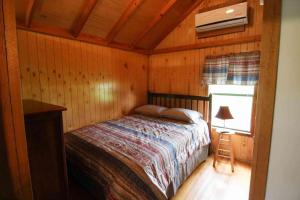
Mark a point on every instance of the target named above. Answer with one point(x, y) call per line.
point(250, 133)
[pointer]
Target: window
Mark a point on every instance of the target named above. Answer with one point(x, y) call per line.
point(239, 99)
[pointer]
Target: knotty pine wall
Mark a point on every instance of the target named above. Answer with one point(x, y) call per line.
point(181, 72)
point(184, 33)
point(95, 83)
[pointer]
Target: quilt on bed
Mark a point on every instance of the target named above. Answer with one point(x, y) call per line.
point(136, 157)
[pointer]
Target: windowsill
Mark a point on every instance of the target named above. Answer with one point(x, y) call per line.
point(237, 132)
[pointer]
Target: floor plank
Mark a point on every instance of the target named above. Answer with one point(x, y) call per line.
point(206, 183)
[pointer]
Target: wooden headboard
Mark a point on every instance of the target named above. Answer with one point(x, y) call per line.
point(199, 103)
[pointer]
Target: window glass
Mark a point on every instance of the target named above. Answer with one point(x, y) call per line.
point(239, 100)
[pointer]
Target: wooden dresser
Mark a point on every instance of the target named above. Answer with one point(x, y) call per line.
point(45, 143)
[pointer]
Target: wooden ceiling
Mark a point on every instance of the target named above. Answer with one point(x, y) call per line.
point(136, 25)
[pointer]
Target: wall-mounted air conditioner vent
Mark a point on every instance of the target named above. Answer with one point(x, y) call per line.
point(230, 16)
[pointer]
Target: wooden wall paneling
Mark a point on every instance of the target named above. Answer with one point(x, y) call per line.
point(91, 81)
point(86, 83)
point(33, 66)
point(184, 34)
point(109, 94)
point(123, 65)
point(96, 84)
point(111, 83)
point(181, 72)
point(22, 44)
point(105, 83)
point(102, 81)
point(68, 81)
point(80, 89)
point(43, 73)
point(115, 83)
point(50, 69)
point(131, 71)
point(59, 73)
point(73, 88)
point(97, 81)
point(242, 146)
point(128, 70)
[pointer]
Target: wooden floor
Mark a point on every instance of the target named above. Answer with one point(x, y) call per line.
point(206, 183)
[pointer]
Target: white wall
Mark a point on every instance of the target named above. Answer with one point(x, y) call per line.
point(284, 170)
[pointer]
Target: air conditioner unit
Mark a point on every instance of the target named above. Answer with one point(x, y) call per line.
point(226, 17)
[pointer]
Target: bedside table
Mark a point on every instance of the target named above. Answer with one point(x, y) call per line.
point(224, 147)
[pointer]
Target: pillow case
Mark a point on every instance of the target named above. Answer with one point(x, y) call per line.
point(182, 114)
point(152, 110)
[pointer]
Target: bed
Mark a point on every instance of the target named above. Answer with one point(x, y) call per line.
point(137, 156)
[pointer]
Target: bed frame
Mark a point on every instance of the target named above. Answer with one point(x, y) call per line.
point(201, 104)
point(198, 103)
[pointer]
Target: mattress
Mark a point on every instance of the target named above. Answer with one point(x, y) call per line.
point(138, 157)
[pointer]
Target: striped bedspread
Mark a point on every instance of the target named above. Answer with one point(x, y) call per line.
point(136, 157)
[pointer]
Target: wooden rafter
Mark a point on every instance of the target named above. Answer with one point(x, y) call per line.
point(208, 44)
point(54, 31)
point(178, 21)
point(155, 20)
point(31, 7)
point(129, 11)
point(221, 5)
point(83, 17)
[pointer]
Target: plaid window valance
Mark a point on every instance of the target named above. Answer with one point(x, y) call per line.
point(236, 69)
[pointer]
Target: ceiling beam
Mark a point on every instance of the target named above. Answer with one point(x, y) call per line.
point(31, 7)
point(59, 32)
point(209, 44)
point(129, 11)
point(179, 20)
point(155, 20)
point(83, 17)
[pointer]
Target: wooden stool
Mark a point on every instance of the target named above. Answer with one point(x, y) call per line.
point(224, 147)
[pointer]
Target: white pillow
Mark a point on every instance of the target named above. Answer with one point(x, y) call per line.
point(182, 114)
point(152, 110)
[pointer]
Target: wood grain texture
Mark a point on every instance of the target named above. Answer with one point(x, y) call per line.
point(83, 17)
point(201, 185)
point(44, 133)
point(119, 21)
point(29, 13)
point(101, 21)
point(15, 182)
point(94, 83)
point(210, 44)
point(180, 72)
point(184, 33)
point(207, 182)
point(266, 97)
point(54, 31)
point(242, 146)
point(155, 20)
point(129, 11)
